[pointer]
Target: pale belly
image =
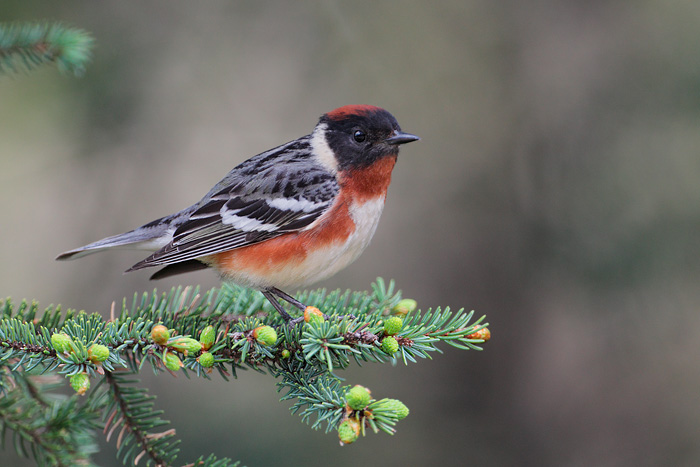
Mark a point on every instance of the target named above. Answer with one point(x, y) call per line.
point(315, 264)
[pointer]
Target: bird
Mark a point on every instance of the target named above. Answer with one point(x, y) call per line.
point(285, 218)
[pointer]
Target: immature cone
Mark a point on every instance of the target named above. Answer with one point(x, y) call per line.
point(160, 334)
point(206, 360)
point(313, 315)
point(265, 335)
point(348, 431)
point(394, 406)
point(172, 361)
point(207, 337)
point(98, 353)
point(404, 307)
point(80, 383)
point(390, 345)
point(185, 345)
point(61, 342)
point(358, 397)
point(392, 325)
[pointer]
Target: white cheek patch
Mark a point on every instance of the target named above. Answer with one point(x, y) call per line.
point(319, 146)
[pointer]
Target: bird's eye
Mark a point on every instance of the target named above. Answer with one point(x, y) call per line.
point(359, 136)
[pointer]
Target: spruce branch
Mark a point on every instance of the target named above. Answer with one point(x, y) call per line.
point(218, 332)
point(28, 45)
point(316, 393)
point(55, 429)
point(130, 409)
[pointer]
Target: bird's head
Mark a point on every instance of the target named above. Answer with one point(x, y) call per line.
point(359, 135)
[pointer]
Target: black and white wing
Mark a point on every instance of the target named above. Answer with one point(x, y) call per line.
point(279, 191)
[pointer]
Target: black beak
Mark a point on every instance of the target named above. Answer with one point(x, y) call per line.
point(401, 138)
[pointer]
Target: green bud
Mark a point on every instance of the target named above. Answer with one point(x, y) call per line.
point(349, 431)
point(404, 307)
point(172, 361)
point(286, 353)
point(265, 335)
point(61, 342)
point(98, 353)
point(206, 360)
point(313, 315)
point(390, 345)
point(392, 325)
point(80, 383)
point(160, 334)
point(391, 406)
point(207, 338)
point(185, 345)
point(358, 397)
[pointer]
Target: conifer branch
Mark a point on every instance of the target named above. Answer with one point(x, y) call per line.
point(56, 430)
point(26, 46)
point(218, 332)
point(132, 409)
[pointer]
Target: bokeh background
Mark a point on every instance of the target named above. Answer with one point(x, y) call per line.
point(556, 190)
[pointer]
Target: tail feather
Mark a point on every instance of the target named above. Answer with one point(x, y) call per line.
point(143, 238)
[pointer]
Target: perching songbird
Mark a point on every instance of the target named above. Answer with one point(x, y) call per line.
point(288, 217)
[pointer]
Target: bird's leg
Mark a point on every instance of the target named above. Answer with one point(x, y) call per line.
point(287, 298)
point(273, 293)
point(267, 293)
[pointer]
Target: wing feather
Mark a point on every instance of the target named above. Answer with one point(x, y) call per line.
point(260, 199)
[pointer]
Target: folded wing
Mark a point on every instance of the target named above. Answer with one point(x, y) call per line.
point(278, 199)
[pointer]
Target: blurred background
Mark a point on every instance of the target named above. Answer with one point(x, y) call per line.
point(556, 190)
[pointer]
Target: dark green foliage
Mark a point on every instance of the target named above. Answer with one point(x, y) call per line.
point(304, 357)
point(54, 429)
point(26, 46)
point(129, 411)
